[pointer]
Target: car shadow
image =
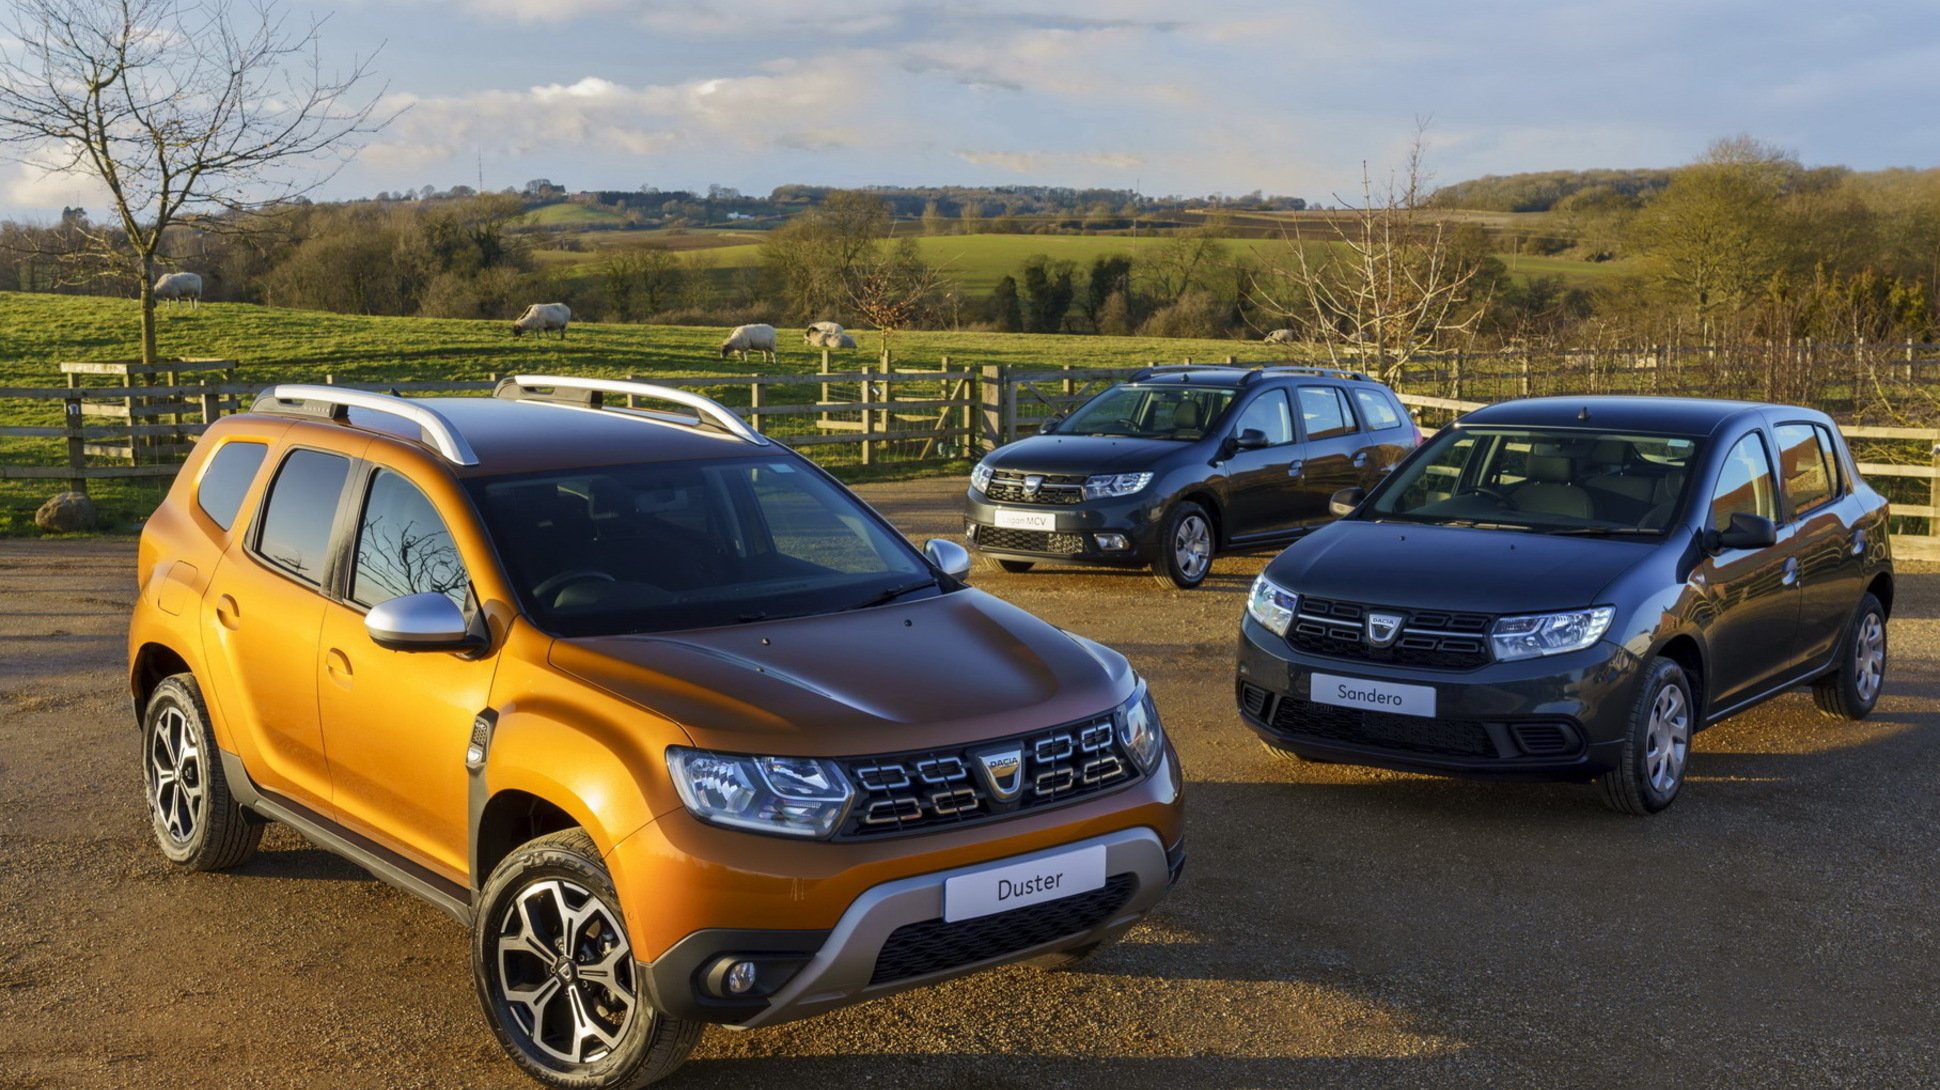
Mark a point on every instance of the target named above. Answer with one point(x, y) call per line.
point(1016, 1071)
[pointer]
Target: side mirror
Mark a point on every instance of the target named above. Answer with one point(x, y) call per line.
point(1747, 531)
point(1345, 501)
point(1051, 424)
point(1249, 439)
point(950, 558)
point(420, 622)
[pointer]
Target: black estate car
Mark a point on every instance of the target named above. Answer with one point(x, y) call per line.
point(1180, 463)
point(1570, 588)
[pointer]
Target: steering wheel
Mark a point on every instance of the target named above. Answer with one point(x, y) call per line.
point(554, 584)
point(1485, 490)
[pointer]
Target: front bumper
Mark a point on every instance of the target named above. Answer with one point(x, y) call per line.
point(894, 938)
point(1074, 538)
point(1562, 717)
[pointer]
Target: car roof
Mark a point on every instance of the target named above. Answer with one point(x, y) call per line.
point(1236, 376)
point(530, 436)
point(1677, 415)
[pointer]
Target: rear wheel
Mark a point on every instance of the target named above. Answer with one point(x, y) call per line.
point(196, 820)
point(556, 974)
point(1185, 547)
point(1853, 687)
point(1657, 744)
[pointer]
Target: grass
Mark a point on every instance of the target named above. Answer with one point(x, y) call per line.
point(568, 214)
point(38, 332)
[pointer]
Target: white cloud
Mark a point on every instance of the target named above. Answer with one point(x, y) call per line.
point(1052, 163)
point(36, 181)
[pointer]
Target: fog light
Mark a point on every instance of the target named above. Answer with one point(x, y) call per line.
point(739, 978)
point(1112, 543)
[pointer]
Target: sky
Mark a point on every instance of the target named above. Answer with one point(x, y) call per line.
point(1168, 96)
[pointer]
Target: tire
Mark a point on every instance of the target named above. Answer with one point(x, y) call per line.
point(1656, 743)
point(196, 820)
point(1852, 688)
point(1186, 546)
point(1015, 567)
point(604, 1037)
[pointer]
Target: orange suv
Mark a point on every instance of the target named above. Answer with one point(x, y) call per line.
point(684, 731)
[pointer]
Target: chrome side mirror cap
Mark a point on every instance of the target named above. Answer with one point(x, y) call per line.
point(420, 622)
point(950, 558)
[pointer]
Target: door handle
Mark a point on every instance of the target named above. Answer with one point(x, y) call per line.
point(1296, 467)
point(337, 665)
point(1360, 459)
point(228, 613)
point(1791, 576)
point(1859, 542)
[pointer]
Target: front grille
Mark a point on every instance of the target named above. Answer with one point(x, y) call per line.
point(1053, 488)
point(1437, 639)
point(933, 946)
point(1296, 719)
point(943, 788)
point(1029, 541)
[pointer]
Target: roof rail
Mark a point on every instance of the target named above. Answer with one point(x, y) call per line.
point(1144, 373)
point(590, 393)
point(335, 403)
point(1259, 373)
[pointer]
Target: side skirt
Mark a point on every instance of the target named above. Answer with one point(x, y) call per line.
point(388, 866)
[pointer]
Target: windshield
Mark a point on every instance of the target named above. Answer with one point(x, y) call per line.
point(1553, 481)
point(1150, 412)
point(671, 545)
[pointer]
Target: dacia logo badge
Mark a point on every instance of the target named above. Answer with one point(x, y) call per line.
point(1001, 768)
point(1383, 628)
point(1033, 482)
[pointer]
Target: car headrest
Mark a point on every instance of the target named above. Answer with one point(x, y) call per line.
point(1186, 416)
point(1551, 469)
point(1609, 452)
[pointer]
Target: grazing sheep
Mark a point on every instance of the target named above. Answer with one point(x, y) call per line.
point(540, 317)
point(177, 286)
point(750, 338)
point(837, 339)
point(819, 329)
point(1280, 336)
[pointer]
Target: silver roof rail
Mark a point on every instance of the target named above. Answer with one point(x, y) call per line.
point(335, 402)
point(525, 387)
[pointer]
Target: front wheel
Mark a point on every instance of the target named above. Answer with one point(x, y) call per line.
point(1852, 688)
point(556, 974)
point(196, 820)
point(1656, 744)
point(1185, 547)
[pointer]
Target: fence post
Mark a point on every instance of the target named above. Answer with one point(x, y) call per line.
point(77, 455)
point(1456, 385)
point(868, 388)
point(990, 406)
point(754, 404)
point(1230, 361)
point(1933, 495)
point(211, 404)
point(1525, 372)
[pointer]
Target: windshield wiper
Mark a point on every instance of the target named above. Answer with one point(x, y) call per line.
point(892, 594)
point(1603, 531)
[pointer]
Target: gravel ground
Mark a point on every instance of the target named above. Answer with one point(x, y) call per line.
point(1337, 926)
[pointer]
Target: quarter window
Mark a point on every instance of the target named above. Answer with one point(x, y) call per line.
point(1323, 413)
point(297, 516)
point(403, 546)
point(1269, 414)
point(223, 485)
point(1802, 462)
point(1377, 410)
point(1745, 485)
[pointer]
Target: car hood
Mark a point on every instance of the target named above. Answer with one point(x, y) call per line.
point(1440, 567)
point(957, 668)
point(1082, 454)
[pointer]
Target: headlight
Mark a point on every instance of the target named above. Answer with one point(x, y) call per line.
point(1542, 634)
point(980, 476)
point(1139, 730)
point(795, 796)
point(1272, 605)
point(1108, 485)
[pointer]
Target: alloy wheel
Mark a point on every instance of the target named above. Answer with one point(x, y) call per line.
point(1192, 546)
point(1869, 657)
point(1668, 741)
point(176, 785)
point(565, 971)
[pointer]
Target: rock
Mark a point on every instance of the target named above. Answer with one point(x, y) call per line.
point(67, 513)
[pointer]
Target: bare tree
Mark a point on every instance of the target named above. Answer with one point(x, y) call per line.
point(1387, 286)
point(892, 289)
point(179, 109)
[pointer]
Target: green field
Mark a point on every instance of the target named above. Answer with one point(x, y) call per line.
point(38, 332)
point(567, 215)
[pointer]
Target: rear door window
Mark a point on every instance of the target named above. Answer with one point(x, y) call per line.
point(223, 485)
point(1323, 413)
point(302, 504)
point(1376, 409)
point(1808, 474)
point(1268, 413)
point(1744, 485)
point(403, 546)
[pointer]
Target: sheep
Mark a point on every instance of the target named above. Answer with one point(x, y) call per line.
point(816, 330)
point(177, 286)
point(837, 339)
point(1280, 336)
point(540, 317)
point(750, 338)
